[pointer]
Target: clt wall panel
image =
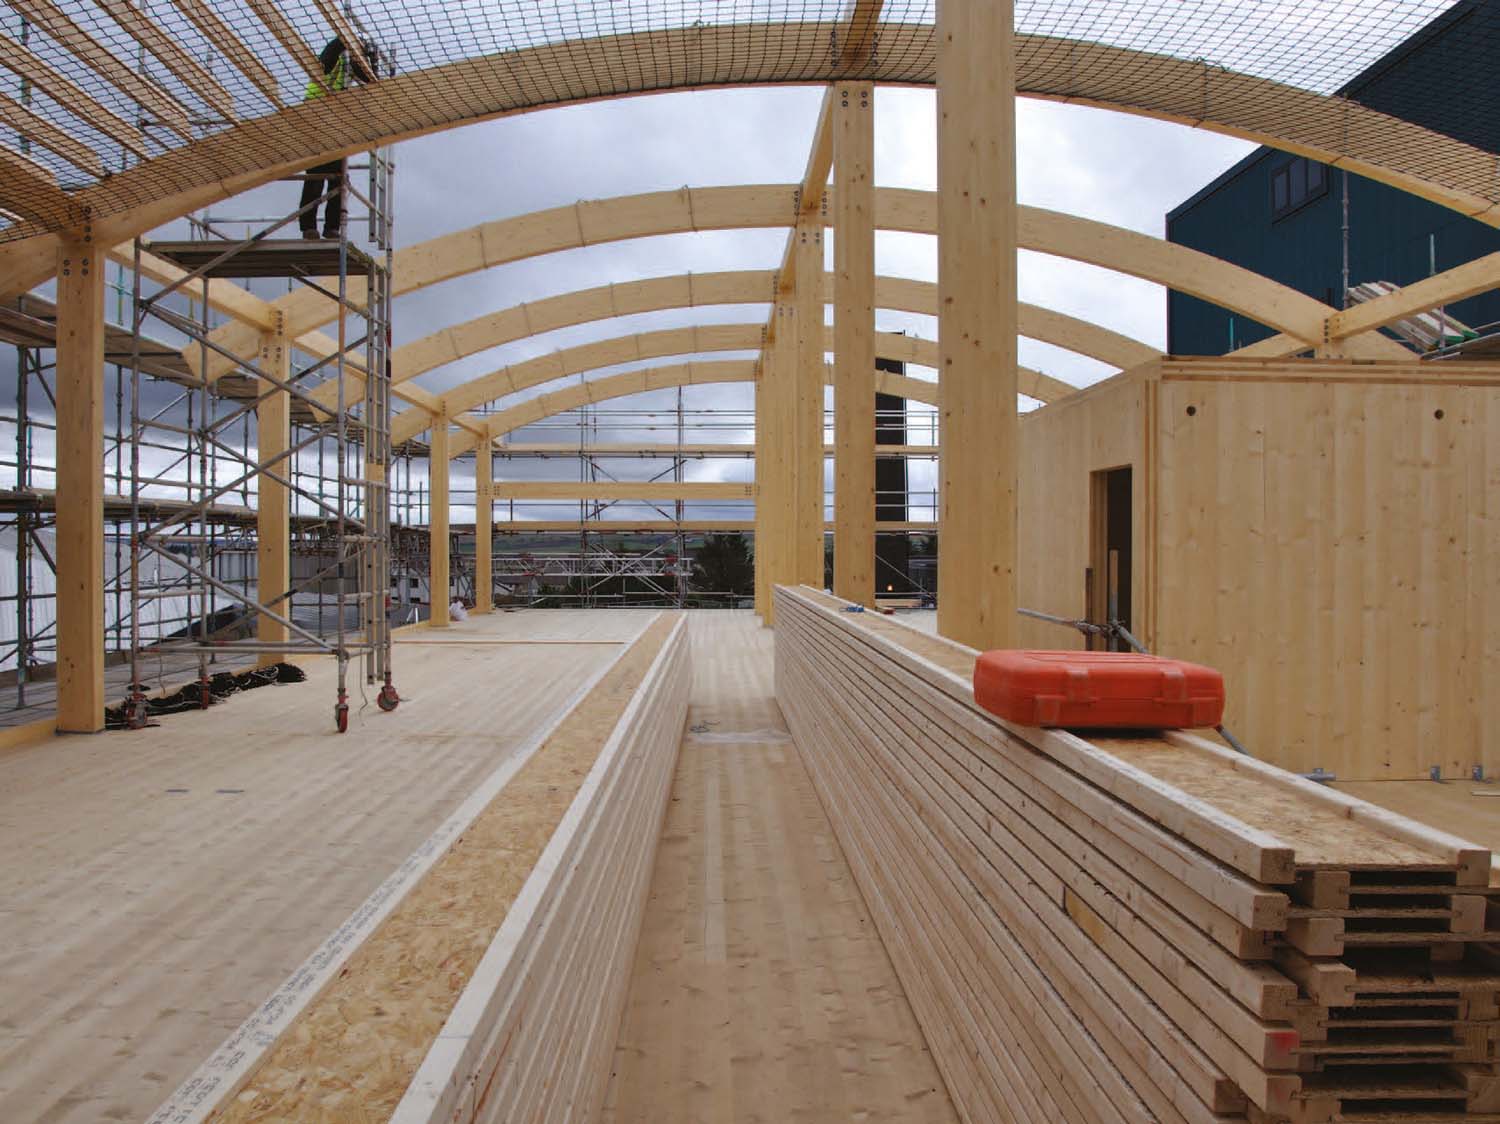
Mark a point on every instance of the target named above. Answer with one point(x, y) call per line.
point(1326, 533)
point(1336, 537)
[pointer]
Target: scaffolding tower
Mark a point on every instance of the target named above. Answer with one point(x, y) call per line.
point(341, 410)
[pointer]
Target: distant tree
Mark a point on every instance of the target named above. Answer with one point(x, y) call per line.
point(724, 564)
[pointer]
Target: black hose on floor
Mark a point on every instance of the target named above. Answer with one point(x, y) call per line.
point(221, 686)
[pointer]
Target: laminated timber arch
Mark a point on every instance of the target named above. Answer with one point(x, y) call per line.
point(694, 340)
point(689, 210)
point(692, 290)
point(167, 186)
point(670, 377)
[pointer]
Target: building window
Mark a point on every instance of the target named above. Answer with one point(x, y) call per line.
point(1295, 184)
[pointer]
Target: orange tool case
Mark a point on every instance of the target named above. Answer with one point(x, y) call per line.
point(1116, 690)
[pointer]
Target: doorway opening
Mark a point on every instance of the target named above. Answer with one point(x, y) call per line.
point(1110, 558)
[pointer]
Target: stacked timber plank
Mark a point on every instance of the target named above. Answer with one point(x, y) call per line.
point(1137, 929)
point(485, 980)
point(533, 1034)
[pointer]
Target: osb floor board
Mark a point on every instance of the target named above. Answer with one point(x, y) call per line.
point(761, 990)
point(353, 1052)
point(159, 885)
point(1450, 806)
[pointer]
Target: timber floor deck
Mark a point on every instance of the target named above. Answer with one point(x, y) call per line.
point(761, 989)
point(159, 885)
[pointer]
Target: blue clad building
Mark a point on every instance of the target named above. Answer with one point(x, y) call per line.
point(1284, 216)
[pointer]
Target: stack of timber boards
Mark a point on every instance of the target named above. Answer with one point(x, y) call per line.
point(533, 1034)
point(1138, 929)
point(492, 990)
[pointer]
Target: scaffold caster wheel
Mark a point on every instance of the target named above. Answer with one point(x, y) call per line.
point(388, 700)
point(341, 717)
point(135, 714)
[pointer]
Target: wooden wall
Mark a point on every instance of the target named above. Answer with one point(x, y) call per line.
point(1061, 446)
point(1326, 533)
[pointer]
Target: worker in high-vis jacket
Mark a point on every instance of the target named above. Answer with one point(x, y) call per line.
point(328, 179)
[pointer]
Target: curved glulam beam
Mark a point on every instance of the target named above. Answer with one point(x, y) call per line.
point(646, 346)
point(1328, 129)
point(661, 378)
point(596, 222)
point(693, 290)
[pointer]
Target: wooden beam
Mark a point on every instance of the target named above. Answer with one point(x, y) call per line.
point(19, 58)
point(765, 513)
point(39, 130)
point(859, 35)
point(977, 240)
point(569, 450)
point(760, 207)
point(437, 556)
point(809, 200)
point(600, 390)
point(288, 36)
point(752, 286)
point(671, 526)
point(557, 365)
point(622, 490)
point(484, 531)
point(808, 373)
point(1467, 280)
point(634, 382)
point(145, 31)
point(273, 419)
point(854, 343)
point(240, 56)
point(80, 485)
point(98, 58)
point(1324, 128)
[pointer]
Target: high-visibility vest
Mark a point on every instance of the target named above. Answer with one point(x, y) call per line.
point(335, 80)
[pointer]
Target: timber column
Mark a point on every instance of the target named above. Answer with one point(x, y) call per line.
point(437, 522)
point(770, 476)
point(80, 482)
point(807, 426)
point(854, 343)
point(484, 527)
point(273, 435)
point(976, 149)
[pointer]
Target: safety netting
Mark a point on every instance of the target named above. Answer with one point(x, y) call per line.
point(97, 95)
